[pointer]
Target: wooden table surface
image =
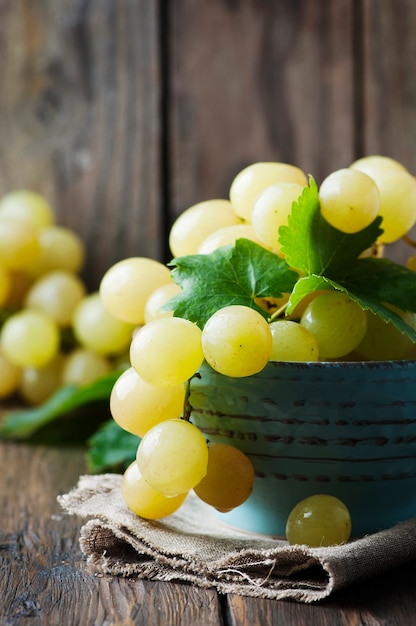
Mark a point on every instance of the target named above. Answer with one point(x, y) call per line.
point(45, 580)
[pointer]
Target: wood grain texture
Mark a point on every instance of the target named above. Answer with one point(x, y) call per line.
point(80, 119)
point(254, 81)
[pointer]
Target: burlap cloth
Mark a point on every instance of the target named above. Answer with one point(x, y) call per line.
point(193, 546)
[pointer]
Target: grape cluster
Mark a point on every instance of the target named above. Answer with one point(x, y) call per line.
point(53, 332)
point(166, 351)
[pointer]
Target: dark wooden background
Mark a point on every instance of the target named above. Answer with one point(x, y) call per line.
point(125, 112)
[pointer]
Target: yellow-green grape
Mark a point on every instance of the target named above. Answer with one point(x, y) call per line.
point(19, 244)
point(271, 210)
point(377, 162)
point(57, 293)
point(96, 329)
point(397, 188)
point(228, 236)
point(237, 341)
point(37, 384)
point(137, 406)
point(173, 457)
point(5, 286)
point(337, 323)
point(30, 338)
point(383, 341)
point(167, 351)
point(196, 223)
point(60, 249)
point(252, 180)
point(9, 377)
point(127, 285)
point(319, 521)
point(82, 367)
point(292, 342)
point(28, 206)
point(349, 200)
point(157, 299)
point(229, 479)
point(145, 501)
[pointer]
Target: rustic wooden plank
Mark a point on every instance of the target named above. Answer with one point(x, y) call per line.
point(80, 120)
point(389, 87)
point(256, 81)
point(43, 576)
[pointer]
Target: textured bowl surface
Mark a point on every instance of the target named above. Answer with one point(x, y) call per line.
point(347, 429)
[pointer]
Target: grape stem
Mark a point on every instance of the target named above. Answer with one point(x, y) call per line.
point(409, 241)
point(278, 312)
point(187, 408)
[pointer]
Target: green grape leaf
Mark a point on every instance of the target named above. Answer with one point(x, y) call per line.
point(307, 285)
point(236, 274)
point(313, 246)
point(111, 447)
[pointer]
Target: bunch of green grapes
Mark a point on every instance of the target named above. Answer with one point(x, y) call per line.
point(53, 332)
point(173, 458)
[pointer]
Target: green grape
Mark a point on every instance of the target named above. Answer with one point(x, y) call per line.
point(145, 501)
point(271, 211)
point(173, 457)
point(60, 249)
point(37, 384)
point(30, 338)
point(227, 236)
point(19, 244)
point(127, 285)
point(137, 406)
point(337, 323)
point(237, 341)
point(82, 367)
point(167, 351)
point(349, 200)
point(57, 294)
point(197, 223)
point(383, 341)
point(292, 342)
point(28, 206)
point(10, 375)
point(252, 180)
point(397, 188)
point(96, 329)
point(157, 299)
point(377, 162)
point(229, 479)
point(319, 521)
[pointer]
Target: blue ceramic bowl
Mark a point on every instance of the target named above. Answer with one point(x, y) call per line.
point(346, 429)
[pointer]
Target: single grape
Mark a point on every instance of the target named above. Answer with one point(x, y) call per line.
point(96, 329)
point(56, 293)
point(10, 375)
point(127, 285)
point(145, 501)
point(292, 342)
point(37, 384)
point(137, 406)
point(195, 224)
point(383, 341)
point(157, 299)
point(397, 188)
point(349, 200)
point(82, 367)
point(173, 457)
point(167, 351)
point(229, 479)
point(228, 236)
point(377, 162)
point(271, 210)
point(319, 521)
point(19, 244)
point(252, 180)
point(30, 338)
point(28, 206)
point(337, 323)
point(237, 341)
point(60, 249)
